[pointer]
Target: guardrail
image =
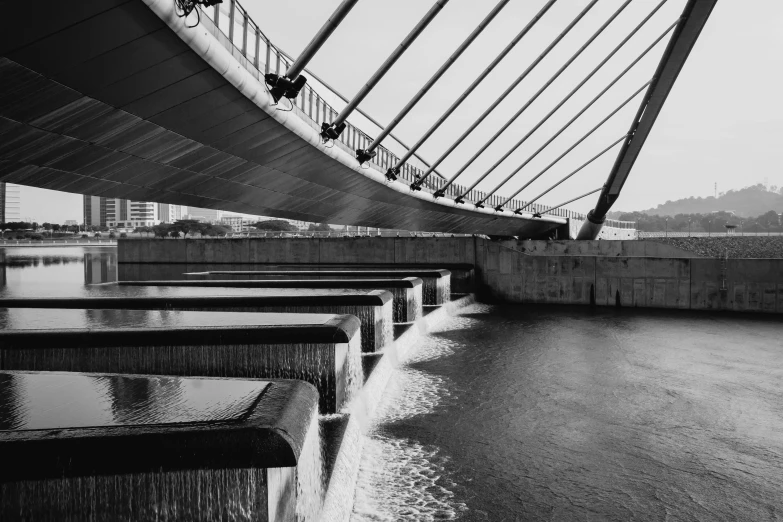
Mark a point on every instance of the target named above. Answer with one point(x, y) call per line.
point(252, 48)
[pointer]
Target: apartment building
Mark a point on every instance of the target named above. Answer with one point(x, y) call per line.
point(209, 215)
point(10, 202)
point(125, 213)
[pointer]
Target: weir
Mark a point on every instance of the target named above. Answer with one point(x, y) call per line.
point(436, 284)
point(138, 447)
point(406, 292)
point(373, 308)
point(322, 349)
point(600, 273)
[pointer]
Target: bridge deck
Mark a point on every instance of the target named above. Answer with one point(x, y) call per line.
point(107, 100)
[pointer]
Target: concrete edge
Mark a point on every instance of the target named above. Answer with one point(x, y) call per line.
point(407, 282)
point(346, 327)
point(373, 298)
point(337, 329)
point(436, 273)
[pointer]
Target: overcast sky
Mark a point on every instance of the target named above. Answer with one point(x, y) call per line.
point(722, 123)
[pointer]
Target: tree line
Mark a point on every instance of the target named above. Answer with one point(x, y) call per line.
point(183, 228)
point(710, 222)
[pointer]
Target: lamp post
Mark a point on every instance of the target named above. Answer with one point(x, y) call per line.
point(689, 228)
point(709, 228)
point(667, 227)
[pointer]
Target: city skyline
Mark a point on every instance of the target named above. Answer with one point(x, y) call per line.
point(70, 206)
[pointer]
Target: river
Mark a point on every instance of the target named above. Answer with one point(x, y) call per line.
point(548, 412)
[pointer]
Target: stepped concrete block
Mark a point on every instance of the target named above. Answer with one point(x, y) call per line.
point(436, 284)
point(406, 292)
point(322, 349)
point(139, 447)
point(373, 309)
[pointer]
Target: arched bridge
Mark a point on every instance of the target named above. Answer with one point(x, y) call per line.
point(124, 99)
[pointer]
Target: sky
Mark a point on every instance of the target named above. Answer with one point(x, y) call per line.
point(722, 122)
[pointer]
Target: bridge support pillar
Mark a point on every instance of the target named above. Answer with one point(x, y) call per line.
point(591, 227)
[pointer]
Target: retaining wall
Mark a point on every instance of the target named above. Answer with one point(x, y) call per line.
point(599, 248)
point(747, 285)
point(607, 273)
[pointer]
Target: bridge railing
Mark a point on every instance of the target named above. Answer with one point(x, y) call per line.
point(252, 48)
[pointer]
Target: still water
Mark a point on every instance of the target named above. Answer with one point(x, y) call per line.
point(92, 272)
point(549, 413)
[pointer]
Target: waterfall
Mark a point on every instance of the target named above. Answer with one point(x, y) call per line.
point(186, 495)
point(310, 487)
point(313, 363)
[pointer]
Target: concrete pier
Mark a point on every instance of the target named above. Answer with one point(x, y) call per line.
point(436, 283)
point(373, 308)
point(406, 292)
point(140, 447)
point(322, 349)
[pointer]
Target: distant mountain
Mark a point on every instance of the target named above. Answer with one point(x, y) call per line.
point(747, 202)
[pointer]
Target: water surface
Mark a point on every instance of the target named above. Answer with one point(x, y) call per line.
point(572, 413)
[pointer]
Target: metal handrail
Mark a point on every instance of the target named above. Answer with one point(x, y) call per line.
point(245, 37)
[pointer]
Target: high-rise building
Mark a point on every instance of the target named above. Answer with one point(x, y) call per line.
point(125, 213)
point(236, 223)
point(95, 211)
point(170, 213)
point(205, 214)
point(10, 202)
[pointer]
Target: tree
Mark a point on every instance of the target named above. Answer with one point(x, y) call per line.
point(161, 230)
point(320, 227)
point(142, 230)
point(770, 218)
point(275, 225)
point(215, 230)
point(189, 226)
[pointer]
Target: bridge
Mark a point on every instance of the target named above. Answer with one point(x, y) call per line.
point(183, 102)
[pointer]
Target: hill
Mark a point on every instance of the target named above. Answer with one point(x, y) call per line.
point(749, 201)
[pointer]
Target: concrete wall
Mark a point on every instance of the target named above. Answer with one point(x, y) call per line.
point(375, 250)
point(607, 273)
point(747, 285)
point(627, 248)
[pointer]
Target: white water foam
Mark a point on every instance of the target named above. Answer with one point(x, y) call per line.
point(400, 479)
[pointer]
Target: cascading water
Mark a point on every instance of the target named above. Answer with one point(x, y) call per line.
point(400, 479)
point(400, 304)
point(354, 372)
point(384, 325)
point(366, 315)
point(310, 487)
point(313, 363)
point(189, 495)
point(415, 302)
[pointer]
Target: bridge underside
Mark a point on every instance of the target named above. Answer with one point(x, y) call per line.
point(103, 98)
